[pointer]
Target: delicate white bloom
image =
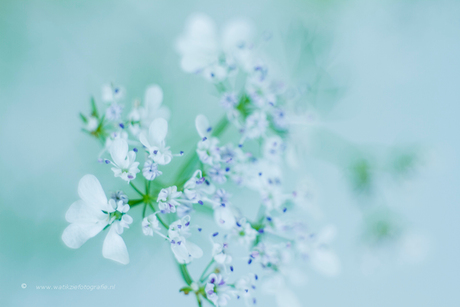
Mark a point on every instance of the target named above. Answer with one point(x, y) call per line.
point(202, 126)
point(180, 227)
point(167, 199)
point(119, 195)
point(245, 287)
point(229, 101)
point(219, 254)
point(115, 136)
point(274, 148)
point(114, 111)
point(244, 232)
point(150, 170)
point(218, 174)
point(150, 224)
point(112, 93)
point(202, 51)
point(125, 165)
point(92, 124)
point(221, 196)
point(183, 250)
point(256, 124)
point(197, 188)
point(208, 151)
point(217, 290)
point(141, 117)
point(224, 217)
point(155, 141)
point(93, 213)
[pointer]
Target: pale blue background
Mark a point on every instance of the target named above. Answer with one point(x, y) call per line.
point(400, 61)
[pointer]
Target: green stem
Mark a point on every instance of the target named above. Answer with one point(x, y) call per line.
point(206, 269)
point(220, 127)
point(136, 189)
point(185, 274)
point(134, 202)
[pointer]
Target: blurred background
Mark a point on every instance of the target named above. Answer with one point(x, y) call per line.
point(383, 75)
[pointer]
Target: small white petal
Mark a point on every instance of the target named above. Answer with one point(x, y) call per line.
point(91, 192)
point(81, 212)
point(202, 125)
point(153, 97)
point(158, 130)
point(114, 247)
point(118, 151)
point(75, 235)
point(194, 250)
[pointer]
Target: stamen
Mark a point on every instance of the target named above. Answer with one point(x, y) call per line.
point(107, 161)
point(200, 202)
point(284, 210)
point(261, 230)
point(135, 149)
point(215, 234)
point(250, 261)
point(204, 139)
point(209, 129)
point(121, 125)
point(231, 268)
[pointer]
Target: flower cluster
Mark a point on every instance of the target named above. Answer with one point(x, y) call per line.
point(270, 245)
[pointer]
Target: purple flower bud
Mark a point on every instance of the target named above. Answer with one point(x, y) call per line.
point(250, 261)
point(231, 268)
point(121, 126)
point(284, 210)
point(135, 149)
point(199, 229)
point(261, 230)
point(107, 161)
point(215, 234)
point(200, 202)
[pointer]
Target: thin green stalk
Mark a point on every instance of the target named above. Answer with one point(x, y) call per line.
point(206, 269)
point(136, 189)
point(135, 202)
point(185, 274)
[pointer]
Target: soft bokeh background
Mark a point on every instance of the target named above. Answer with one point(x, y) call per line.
point(398, 61)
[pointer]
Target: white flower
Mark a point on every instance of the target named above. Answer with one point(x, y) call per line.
point(180, 227)
point(114, 136)
point(245, 287)
point(208, 151)
point(112, 93)
point(92, 214)
point(167, 199)
point(219, 254)
point(140, 118)
point(150, 170)
point(155, 141)
point(183, 250)
point(229, 101)
point(274, 148)
point(224, 216)
point(92, 124)
point(202, 51)
point(244, 232)
point(218, 174)
point(114, 111)
point(256, 125)
point(125, 163)
point(197, 188)
point(217, 291)
point(150, 224)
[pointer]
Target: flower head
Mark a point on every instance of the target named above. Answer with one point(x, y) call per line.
point(154, 141)
point(125, 165)
point(167, 199)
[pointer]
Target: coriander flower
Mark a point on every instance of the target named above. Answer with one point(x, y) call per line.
point(150, 224)
point(112, 93)
point(183, 250)
point(180, 227)
point(125, 165)
point(150, 170)
point(219, 254)
point(197, 188)
point(244, 232)
point(217, 290)
point(167, 199)
point(155, 141)
point(93, 213)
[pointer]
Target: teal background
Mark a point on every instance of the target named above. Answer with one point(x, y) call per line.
point(398, 60)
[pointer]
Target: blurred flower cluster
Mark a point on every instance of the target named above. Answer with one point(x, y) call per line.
point(258, 107)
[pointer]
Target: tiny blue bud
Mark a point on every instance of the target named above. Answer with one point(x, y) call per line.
point(231, 268)
point(181, 152)
point(261, 230)
point(240, 145)
point(199, 229)
point(250, 261)
point(285, 209)
point(107, 161)
point(135, 149)
point(121, 125)
point(215, 234)
point(257, 277)
point(200, 202)
point(269, 219)
point(204, 139)
point(209, 129)
point(227, 169)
